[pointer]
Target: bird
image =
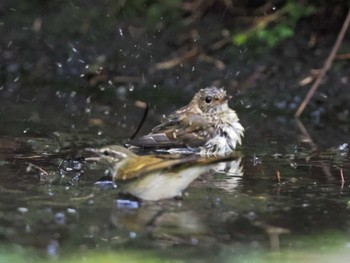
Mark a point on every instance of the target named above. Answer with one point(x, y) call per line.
point(153, 177)
point(206, 126)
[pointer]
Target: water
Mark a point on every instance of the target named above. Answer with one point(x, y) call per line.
point(51, 205)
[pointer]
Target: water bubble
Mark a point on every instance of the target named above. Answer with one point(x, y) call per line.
point(26, 130)
point(99, 133)
point(131, 87)
point(72, 168)
point(121, 203)
point(52, 248)
point(256, 160)
point(193, 69)
point(194, 241)
point(58, 64)
point(154, 85)
point(60, 218)
point(273, 8)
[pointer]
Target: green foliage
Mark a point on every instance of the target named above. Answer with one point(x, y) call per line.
point(283, 26)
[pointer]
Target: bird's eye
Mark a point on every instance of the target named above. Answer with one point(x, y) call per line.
point(208, 99)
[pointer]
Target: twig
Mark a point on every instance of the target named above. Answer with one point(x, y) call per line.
point(278, 176)
point(342, 56)
point(342, 176)
point(342, 179)
point(142, 121)
point(41, 170)
point(326, 66)
point(307, 137)
point(178, 60)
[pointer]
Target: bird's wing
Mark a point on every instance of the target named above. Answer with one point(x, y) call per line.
point(179, 130)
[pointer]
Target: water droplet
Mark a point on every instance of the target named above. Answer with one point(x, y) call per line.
point(154, 85)
point(131, 87)
point(132, 235)
point(194, 241)
point(323, 96)
point(273, 8)
point(59, 64)
point(293, 165)
point(74, 50)
point(71, 210)
point(22, 209)
point(193, 69)
point(99, 133)
point(121, 32)
point(343, 147)
point(26, 130)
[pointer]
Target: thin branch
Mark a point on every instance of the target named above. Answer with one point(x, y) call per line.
point(326, 66)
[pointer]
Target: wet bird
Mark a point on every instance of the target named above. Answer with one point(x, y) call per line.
point(206, 126)
point(153, 177)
